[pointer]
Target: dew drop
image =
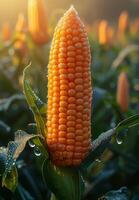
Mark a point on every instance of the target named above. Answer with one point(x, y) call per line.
point(37, 151)
point(98, 160)
point(13, 163)
point(31, 144)
point(119, 140)
point(121, 136)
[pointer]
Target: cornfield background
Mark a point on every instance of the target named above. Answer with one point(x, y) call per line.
point(111, 169)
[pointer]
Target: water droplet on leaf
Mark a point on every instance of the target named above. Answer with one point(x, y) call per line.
point(13, 162)
point(119, 141)
point(31, 144)
point(37, 151)
point(98, 160)
point(121, 136)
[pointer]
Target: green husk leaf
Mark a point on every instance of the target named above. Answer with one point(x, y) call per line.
point(65, 183)
point(37, 106)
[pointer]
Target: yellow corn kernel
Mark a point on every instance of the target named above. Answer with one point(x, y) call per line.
point(69, 92)
point(123, 92)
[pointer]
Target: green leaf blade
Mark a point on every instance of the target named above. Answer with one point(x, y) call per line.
point(37, 106)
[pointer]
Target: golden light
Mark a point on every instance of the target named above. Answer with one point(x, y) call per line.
point(9, 9)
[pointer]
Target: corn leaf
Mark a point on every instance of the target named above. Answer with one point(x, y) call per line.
point(14, 149)
point(6, 103)
point(3, 156)
point(121, 194)
point(11, 180)
point(128, 123)
point(98, 147)
point(101, 143)
point(36, 105)
point(4, 128)
point(22, 194)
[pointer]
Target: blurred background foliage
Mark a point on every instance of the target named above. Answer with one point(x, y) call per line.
point(89, 9)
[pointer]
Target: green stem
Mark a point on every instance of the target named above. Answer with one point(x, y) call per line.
point(53, 197)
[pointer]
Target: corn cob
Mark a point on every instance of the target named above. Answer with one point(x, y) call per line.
point(103, 32)
point(6, 32)
point(20, 36)
point(69, 92)
point(123, 24)
point(21, 25)
point(134, 26)
point(111, 35)
point(123, 92)
point(20, 45)
point(37, 21)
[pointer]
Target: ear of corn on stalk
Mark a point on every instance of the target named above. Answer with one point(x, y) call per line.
point(69, 92)
point(103, 33)
point(123, 92)
point(123, 24)
point(21, 25)
point(6, 32)
point(111, 35)
point(134, 26)
point(37, 21)
point(20, 35)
